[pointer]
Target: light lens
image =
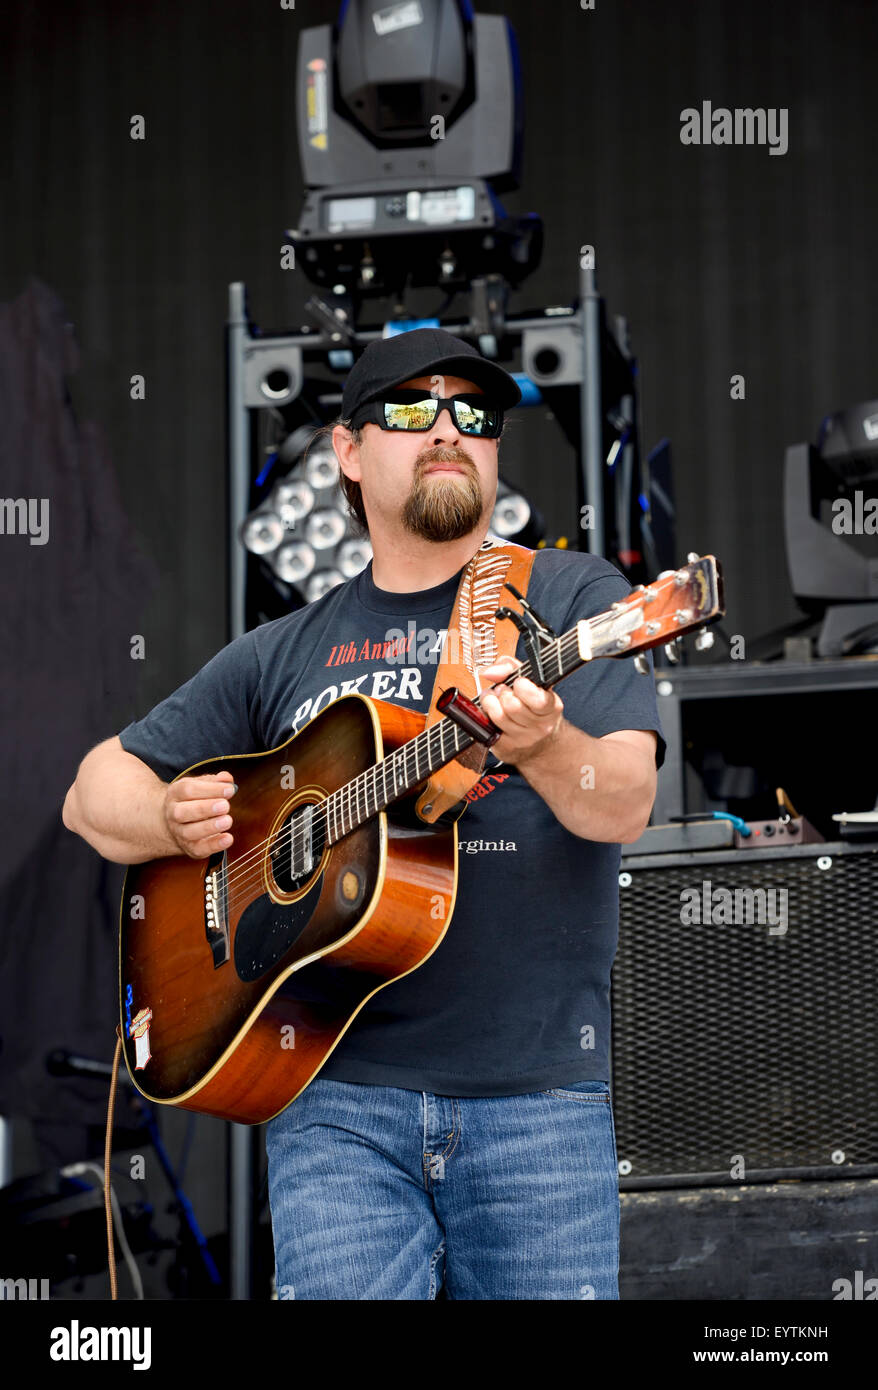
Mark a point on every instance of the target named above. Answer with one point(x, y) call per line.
point(262, 532)
point(320, 584)
point(294, 561)
point(511, 515)
point(353, 556)
point(293, 500)
point(325, 528)
point(321, 469)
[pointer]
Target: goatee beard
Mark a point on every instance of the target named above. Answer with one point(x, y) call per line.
point(443, 508)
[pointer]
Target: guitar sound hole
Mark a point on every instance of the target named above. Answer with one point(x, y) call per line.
point(296, 835)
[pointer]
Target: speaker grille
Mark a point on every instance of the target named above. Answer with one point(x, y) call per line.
point(737, 1049)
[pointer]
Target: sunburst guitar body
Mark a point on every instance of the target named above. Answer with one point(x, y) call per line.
point(241, 975)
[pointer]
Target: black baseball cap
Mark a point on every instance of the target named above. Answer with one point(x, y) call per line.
point(389, 362)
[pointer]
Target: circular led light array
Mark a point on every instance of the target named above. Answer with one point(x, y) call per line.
point(302, 530)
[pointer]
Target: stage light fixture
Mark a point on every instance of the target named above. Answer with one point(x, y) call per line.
point(301, 531)
point(511, 514)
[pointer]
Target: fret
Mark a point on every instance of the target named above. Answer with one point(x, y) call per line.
point(437, 752)
point(446, 745)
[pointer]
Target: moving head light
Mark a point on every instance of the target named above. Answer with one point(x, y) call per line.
point(831, 527)
point(410, 123)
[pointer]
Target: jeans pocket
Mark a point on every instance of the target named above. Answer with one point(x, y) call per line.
point(582, 1091)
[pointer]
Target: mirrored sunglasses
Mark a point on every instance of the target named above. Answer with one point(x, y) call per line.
point(412, 410)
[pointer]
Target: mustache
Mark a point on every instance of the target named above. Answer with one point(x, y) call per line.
point(443, 453)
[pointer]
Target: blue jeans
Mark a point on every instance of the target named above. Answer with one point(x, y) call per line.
point(382, 1193)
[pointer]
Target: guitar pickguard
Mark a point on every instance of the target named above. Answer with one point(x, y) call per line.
point(267, 930)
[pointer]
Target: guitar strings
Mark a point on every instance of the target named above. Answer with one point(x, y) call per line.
point(249, 870)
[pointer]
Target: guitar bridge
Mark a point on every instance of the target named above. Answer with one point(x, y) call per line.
point(216, 909)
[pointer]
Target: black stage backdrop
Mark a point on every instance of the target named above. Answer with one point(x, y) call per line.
point(726, 260)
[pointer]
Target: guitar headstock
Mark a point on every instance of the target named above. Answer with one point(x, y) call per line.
point(655, 614)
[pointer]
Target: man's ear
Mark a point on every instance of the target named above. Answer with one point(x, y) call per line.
point(347, 453)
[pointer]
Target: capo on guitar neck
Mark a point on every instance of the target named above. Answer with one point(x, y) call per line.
point(532, 627)
point(468, 716)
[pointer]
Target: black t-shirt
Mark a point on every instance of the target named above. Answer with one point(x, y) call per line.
point(516, 996)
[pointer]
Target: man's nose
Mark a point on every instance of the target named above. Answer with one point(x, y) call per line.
point(444, 426)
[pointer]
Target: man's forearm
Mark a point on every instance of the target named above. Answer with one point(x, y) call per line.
point(116, 805)
point(596, 789)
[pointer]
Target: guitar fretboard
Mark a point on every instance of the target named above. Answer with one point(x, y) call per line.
point(401, 771)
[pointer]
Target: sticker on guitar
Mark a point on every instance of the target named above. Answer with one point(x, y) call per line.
point(139, 1031)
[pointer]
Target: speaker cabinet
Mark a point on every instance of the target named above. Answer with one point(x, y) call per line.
point(745, 1016)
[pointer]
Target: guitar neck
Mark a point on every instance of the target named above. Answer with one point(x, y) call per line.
point(674, 603)
point(403, 770)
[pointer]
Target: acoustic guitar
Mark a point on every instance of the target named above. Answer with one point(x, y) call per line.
point(240, 973)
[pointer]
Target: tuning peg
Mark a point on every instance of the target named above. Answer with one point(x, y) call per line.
point(703, 639)
point(692, 557)
point(672, 654)
point(641, 664)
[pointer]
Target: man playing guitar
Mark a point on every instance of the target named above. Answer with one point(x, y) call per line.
point(461, 1131)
